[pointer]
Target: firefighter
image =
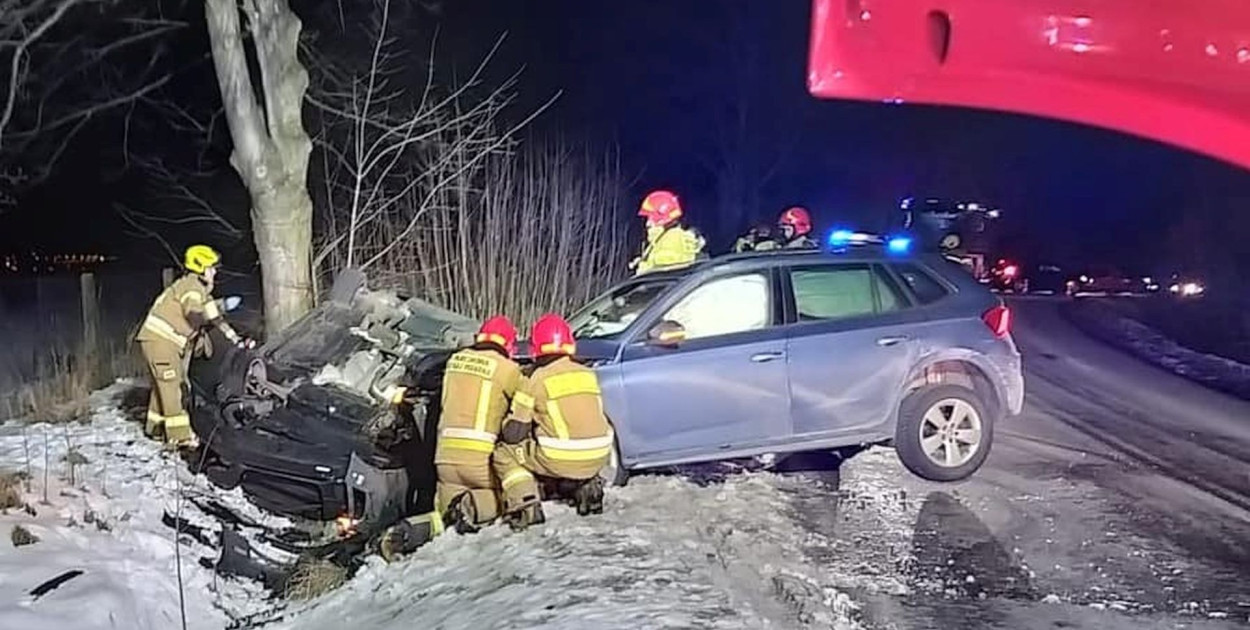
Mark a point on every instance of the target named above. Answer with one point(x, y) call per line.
point(172, 331)
point(557, 430)
point(796, 229)
point(669, 244)
point(758, 239)
point(478, 388)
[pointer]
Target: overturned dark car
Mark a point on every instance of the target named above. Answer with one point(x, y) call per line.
point(306, 425)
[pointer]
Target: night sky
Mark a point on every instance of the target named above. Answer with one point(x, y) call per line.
point(655, 78)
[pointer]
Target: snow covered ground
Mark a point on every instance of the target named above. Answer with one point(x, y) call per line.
point(868, 546)
point(1110, 326)
point(107, 524)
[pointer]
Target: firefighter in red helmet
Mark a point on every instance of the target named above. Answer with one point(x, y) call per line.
point(479, 386)
point(669, 244)
point(557, 430)
point(796, 229)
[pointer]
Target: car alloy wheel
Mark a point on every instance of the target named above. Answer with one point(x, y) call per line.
point(950, 432)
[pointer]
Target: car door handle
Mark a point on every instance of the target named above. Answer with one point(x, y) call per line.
point(765, 357)
point(891, 341)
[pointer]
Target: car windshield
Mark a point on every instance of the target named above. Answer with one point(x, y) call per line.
point(611, 313)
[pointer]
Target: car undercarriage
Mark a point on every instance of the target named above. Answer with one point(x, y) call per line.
point(306, 427)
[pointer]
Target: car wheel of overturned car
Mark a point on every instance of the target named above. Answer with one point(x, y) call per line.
point(944, 432)
point(613, 473)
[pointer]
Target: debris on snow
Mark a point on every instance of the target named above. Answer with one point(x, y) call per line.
point(22, 537)
point(128, 559)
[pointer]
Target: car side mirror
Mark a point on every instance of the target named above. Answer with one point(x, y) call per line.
point(666, 334)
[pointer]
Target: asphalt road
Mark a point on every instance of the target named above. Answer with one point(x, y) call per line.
point(1120, 497)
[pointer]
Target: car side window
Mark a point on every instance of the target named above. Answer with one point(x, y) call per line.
point(922, 285)
point(724, 306)
point(839, 291)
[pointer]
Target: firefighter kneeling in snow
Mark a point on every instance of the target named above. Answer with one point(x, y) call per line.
point(478, 387)
point(557, 430)
point(172, 331)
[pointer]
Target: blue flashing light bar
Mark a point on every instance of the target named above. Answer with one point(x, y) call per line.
point(839, 238)
point(899, 245)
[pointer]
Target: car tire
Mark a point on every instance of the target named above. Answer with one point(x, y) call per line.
point(614, 473)
point(944, 432)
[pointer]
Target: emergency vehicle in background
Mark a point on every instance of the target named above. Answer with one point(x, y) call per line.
point(962, 231)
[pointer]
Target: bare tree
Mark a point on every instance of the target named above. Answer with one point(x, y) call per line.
point(433, 192)
point(68, 63)
point(271, 146)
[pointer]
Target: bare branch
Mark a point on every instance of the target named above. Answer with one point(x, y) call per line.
point(127, 216)
point(15, 70)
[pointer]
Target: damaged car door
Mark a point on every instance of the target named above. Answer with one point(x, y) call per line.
point(707, 377)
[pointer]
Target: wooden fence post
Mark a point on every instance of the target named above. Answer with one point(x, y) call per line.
point(91, 354)
point(168, 275)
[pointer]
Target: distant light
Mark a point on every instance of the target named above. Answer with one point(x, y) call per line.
point(1085, 279)
point(994, 214)
point(1010, 271)
point(906, 203)
point(899, 244)
point(974, 206)
point(1148, 280)
point(1083, 21)
point(865, 15)
point(1080, 48)
point(840, 237)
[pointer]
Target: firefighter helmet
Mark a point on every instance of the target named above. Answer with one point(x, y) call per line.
point(661, 207)
point(551, 335)
point(798, 219)
point(499, 331)
point(200, 257)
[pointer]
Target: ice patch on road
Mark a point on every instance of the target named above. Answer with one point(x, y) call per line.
point(108, 525)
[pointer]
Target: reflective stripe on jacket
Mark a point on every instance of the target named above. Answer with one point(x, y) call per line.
point(180, 311)
point(669, 247)
point(478, 387)
point(563, 402)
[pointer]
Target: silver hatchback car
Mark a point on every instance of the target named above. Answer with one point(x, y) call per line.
point(790, 351)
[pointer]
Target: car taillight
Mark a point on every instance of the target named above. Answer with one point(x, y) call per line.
point(999, 320)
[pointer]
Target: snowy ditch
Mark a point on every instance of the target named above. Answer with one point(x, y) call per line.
point(667, 553)
point(751, 550)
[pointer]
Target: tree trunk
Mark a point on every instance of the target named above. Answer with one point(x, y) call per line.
point(271, 147)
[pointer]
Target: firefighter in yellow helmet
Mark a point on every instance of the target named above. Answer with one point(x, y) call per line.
point(669, 245)
point(172, 330)
point(557, 430)
point(478, 388)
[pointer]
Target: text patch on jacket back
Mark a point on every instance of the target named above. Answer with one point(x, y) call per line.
point(483, 367)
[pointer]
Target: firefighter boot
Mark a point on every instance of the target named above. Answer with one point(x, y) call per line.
point(406, 536)
point(588, 497)
point(462, 514)
point(530, 513)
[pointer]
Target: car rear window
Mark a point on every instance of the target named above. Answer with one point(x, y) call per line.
point(838, 291)
point(922, 285)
